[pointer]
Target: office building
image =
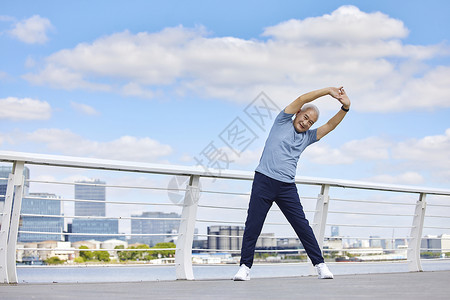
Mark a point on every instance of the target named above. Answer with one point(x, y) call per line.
point(41, 204)
point(436, 243)
point(154, 223)
point(92, 190)
point(334, 231)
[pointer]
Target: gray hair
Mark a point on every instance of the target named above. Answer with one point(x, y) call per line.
point(313, 107)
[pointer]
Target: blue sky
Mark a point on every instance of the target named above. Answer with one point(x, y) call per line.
point(158, 81)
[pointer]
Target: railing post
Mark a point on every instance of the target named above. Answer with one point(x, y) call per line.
point(414, 264)
point(4, 232)
point(320, 218)
point(183, 254)
point(10, 224)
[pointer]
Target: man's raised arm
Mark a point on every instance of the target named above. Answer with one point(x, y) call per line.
point(334, 121)
point(297, 104)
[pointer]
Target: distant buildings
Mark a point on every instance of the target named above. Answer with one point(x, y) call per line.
point(41, 204)
point(35, 204)
point(29, 254)
point(334, 231)
point(435, 243)
point(225, 237)
point(154, 223)
point(92, 190)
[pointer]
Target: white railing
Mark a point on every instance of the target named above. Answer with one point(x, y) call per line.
point(375, 202)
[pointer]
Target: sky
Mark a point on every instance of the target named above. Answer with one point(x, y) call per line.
point(168, 82)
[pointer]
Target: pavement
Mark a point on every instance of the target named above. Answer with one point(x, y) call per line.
point(415, 285)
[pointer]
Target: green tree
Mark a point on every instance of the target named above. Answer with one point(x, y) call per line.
point(54, 260)
point(163, 253)
point(123, 255)
point(429, 254)
point(86, 255)
point(79, 260)
point(102, 256)
point(141, 255)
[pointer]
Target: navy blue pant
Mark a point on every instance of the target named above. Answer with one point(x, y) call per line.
point(265, 191)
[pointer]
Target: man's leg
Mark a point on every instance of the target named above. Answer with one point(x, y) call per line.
point(290, 205)
point(260, 203)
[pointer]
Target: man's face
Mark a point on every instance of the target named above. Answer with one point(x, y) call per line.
point(305, 119)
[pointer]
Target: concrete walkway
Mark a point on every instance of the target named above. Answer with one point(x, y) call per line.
point(423, 285)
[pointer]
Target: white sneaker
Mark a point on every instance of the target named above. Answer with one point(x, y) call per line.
point(323, 271)
point(243, 274)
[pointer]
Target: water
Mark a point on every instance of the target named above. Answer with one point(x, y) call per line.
point(127, 273)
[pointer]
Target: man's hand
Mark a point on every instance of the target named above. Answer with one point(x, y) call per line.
point(340, 95)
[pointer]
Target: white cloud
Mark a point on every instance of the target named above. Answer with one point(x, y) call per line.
point(369, 149)
point(124, 148)
point(24, 109)
point(134, 89)
point(413, 159)
point(362, 51)
point(32, 30)
point(30, 62)
point(58, 77)
point(186, 158)
point(346, 24)
point(411, 178)
point(84, 108)
point(244, 159)
point(429, 153)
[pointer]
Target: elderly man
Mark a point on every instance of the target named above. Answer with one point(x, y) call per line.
point(275, 176)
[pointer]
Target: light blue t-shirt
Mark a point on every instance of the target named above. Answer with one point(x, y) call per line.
point(283, 148)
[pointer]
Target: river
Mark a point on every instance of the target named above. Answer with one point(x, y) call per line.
point(133, 273)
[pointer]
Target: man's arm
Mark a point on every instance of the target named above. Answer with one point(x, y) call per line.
point(334, 121)
point(297, 104)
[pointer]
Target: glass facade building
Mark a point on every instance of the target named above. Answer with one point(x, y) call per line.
point(92, 190)
point(41, 204)
point(145, 226)
point(94, 226)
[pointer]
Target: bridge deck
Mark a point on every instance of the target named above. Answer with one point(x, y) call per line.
point(433, 285)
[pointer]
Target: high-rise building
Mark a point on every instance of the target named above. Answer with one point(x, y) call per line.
point(159, 226)
point(334, 231)
point(225, 237)
point(92, 190)
point(41, 204)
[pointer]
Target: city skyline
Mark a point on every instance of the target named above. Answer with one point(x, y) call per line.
point(220, 237)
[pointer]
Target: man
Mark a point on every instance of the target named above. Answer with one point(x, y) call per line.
point(275, 176)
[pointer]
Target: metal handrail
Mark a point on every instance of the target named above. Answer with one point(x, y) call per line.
point(107, 185)
point(190, 204)
point(100, 217)
point(113, 165)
